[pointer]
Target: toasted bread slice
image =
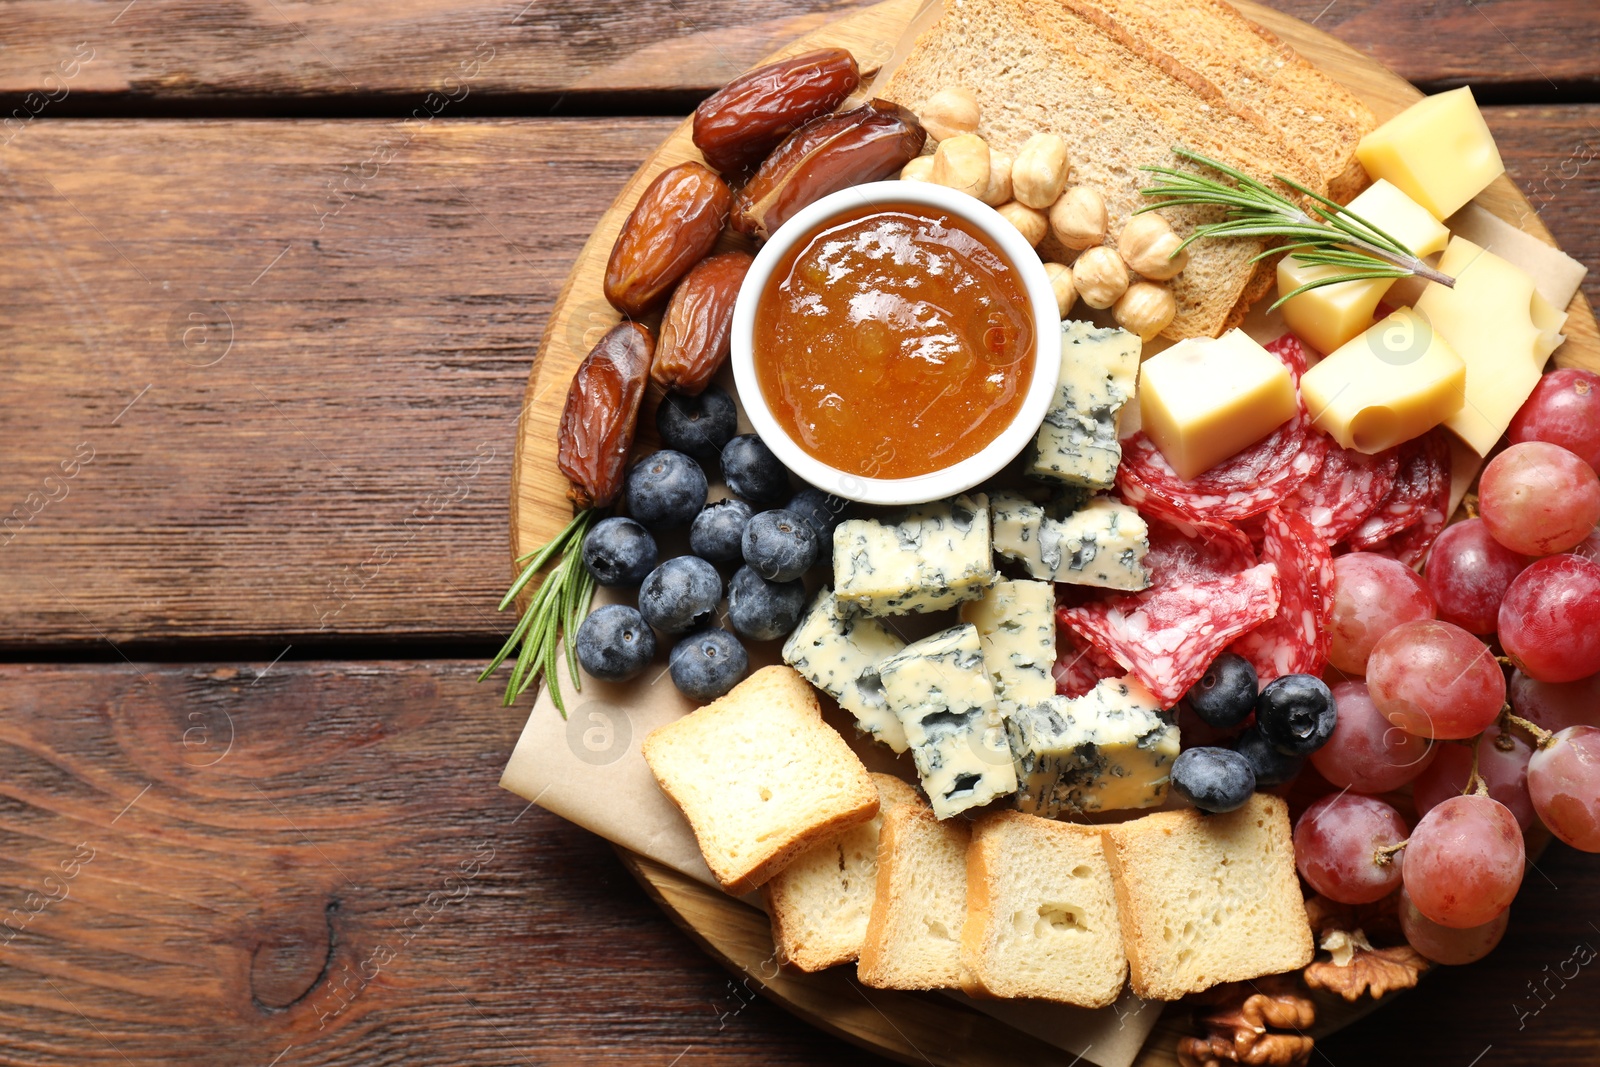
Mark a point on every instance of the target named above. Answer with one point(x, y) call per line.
point(1208, 898)
point(760, 777)
point(1041, 913)
point(820, 902)
point(919, 902)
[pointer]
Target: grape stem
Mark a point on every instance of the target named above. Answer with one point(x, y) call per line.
point(1383, 855)
point(1542, 738)
point(1475, 786)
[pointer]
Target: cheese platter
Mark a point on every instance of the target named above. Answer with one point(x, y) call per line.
point(1078, 534)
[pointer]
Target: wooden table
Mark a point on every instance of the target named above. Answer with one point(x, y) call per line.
point(272, 276)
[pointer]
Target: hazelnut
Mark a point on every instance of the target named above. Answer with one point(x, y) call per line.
point(1101, 276)
point(1147, 244)
point(1040, 170)
point(998, 191)
point(918, 170)
point(950, 112)
point(1029, 222)
point(1145, 309)
point(1061, 283)
point(1078, 218)
point(962, 163)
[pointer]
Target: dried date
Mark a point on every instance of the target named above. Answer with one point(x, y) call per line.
point(698, 325)
point(602, 412)
point(671, 228)
point(829, 154)
point(737, 126)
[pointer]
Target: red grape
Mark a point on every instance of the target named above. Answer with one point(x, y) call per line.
point(1589, 547)
point(1367, 752)
point(1468, 574)
point(1556, 705)
point(1441, 944)
point(1436, 680)
point(1372, 594)
point(1538, 499)
point(1564, 782)
point(1550, 619)
point(1464, 862)
point(1564, 409)
point(1336, 843)
point(1504, 771)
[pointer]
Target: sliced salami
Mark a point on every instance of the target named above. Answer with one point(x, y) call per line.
point(1410, 546)
point(1349, 487)
point(1168, 636)
point(1178, 555)
point(1080, 666)
point(1295, 640)
point(1415, 484)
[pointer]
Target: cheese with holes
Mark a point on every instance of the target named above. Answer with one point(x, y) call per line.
point(1397, 381)
point(1077, 444)
point(838, 651)
point(1438, 151)
point(1016, 624)
point(936, 557)
point(1205, 399)
point(1108, 750)
point(1503, 330)
point(1102, 543)
point(942, 693)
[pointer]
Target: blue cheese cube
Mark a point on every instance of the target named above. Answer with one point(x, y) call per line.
point(1017, 628)
point(1102, 544)
point(1077, 445)
point(942, 694)
point(1110, 749)
point(838, 651)
point(936, 557)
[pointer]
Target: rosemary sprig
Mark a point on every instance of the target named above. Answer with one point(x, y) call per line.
point(1332, 236)
point(558, 606)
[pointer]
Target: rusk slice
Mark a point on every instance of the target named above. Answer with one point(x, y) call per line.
point(760, 777)
point(1041, 913)
point(919, 903)
point(1208, 898)
point(820, 902)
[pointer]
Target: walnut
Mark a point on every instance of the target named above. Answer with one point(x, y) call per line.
point(1247, 1027)
point(1355, 967)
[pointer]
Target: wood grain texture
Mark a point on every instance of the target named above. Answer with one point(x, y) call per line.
point(266, 50)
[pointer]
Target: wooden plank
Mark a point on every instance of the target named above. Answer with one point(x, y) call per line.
point(313, 862)
point(84, 56)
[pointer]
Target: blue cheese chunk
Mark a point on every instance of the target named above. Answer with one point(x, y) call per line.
point(1102, 544)
point(1110, 749)
point(944, 698)
point(1077, 444)
point(838, 651)
point(936, 557)
point(1017, 629)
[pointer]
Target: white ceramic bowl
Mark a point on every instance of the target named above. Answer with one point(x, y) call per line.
point(934, 485)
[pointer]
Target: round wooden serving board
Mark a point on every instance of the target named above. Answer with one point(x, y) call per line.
point(912, 1028)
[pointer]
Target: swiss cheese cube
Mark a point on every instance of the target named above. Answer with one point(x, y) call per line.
point(1205, 399)
point(1439, 151)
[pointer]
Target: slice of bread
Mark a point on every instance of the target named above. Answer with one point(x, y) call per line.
point(820, 902)
point(1119, 105)
point(760, 777)
point(1208, 898)
point(1041, 913)
point(919, 902)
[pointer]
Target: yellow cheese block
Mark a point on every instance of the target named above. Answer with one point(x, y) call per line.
point(1502, 328)
point(1396, 381)
point(1439, 151)
point(1204, 399)
point(1328, 317)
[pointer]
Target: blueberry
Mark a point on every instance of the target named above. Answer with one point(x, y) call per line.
point(718, 531)
point(763, 610)
point(698, 425)
point(707, 664)
point(665, 490)
point(1271, 766)
point(1296, 714)
point(1213, 779)
point(822, 511)
point(680, 594)
point(615, 643)
point(779, 545)
point(1226, 695)
point(753, 472)
point(619, 551)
